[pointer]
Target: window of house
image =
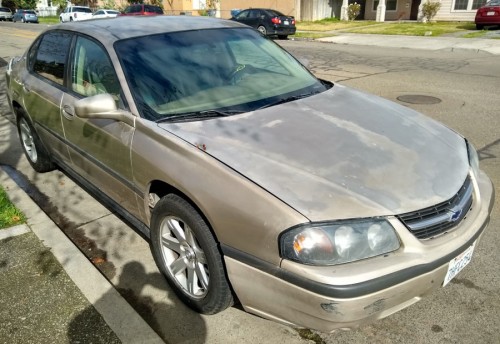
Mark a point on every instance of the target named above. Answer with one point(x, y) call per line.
point(461, 4)
point(390, 5)
point(51, 56)
point(477, 3)
point(468, 5)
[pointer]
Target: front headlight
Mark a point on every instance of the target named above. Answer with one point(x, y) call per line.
point(338, 242)
point(473, 158)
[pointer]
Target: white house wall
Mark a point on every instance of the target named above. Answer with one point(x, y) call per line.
point(402, 12)
point(447, 13)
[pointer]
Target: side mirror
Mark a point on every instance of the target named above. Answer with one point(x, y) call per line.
point(102, 106)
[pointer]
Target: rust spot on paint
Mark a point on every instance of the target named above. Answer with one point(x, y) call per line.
point(201, 146)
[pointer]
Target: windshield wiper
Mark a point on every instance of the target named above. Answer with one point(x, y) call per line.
point(289, 99)
point(195, 115)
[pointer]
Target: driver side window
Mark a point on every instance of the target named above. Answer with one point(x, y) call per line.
point(92, 72)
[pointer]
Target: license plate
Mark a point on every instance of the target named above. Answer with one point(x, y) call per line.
point(458, 263)
point(286, 22)
point(491, 13)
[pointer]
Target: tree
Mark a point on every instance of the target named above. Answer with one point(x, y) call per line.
point(25, 4)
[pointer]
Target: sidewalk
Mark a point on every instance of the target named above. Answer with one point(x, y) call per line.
point(478, 45)
point(51, 293)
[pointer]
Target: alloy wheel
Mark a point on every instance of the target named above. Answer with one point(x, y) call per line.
point(183, 257)
point(28, 141)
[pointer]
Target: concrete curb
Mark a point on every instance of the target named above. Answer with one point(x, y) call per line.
point(118, 314)
point(476, 45)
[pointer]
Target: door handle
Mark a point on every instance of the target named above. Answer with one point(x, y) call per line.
point(68, 112)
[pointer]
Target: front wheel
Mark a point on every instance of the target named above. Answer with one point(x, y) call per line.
point(187, 254)
point(282, 36)
point(37, 156)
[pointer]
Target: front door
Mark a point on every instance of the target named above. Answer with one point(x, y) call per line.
point(415, 4)
point(99, 148)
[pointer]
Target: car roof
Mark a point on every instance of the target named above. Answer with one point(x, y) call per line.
point(124, 27)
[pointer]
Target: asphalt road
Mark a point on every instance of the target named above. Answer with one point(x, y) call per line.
point(465, 311)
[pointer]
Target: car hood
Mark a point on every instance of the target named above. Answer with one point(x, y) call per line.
point(339, 154)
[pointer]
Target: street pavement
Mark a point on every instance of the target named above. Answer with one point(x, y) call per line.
point(51, 292)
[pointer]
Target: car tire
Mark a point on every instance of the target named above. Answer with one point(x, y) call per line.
point(70, 19)
point(262, 29)
point(187, 254)
point(479, 26)
point(282, 36)
point(60, 19)
point(35, 152)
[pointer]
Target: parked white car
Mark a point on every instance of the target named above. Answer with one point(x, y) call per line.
point(75, 13)
point(105, 13)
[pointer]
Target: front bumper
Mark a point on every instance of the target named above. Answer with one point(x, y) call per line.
point(341, 297)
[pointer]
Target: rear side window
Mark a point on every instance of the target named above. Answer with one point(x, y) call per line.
point(82, 9)
point(51, 56)
point(152, 9)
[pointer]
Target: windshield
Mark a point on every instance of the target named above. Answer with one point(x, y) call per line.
point(232, 70)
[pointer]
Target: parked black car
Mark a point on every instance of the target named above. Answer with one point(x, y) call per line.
point(25, 16)
point(268, 22)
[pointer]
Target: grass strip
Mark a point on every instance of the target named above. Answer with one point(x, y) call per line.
point(9, 214)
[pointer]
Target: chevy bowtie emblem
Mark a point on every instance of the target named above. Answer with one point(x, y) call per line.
point(454, 214)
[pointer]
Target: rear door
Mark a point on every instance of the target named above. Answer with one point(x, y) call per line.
point(44, 88)
point(254, 18)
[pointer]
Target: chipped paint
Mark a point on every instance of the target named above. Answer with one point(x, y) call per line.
point(374, 156)
point(375, 307)
point(331, 307)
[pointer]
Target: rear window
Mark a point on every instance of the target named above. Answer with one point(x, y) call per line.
point(3, 9)
point(494, 3)
point(30, 12)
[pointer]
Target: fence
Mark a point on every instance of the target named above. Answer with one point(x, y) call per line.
point(47, 11)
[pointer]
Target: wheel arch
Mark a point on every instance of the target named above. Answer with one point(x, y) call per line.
point(159, 188)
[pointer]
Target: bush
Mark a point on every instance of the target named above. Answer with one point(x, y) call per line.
point(430, 9)
point(353, 10)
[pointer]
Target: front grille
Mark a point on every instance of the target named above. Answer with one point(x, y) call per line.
point(439, 219)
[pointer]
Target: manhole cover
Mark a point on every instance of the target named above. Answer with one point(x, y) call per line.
point(418, 99)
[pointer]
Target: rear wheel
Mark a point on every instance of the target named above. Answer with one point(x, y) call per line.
point(282, 36)
point(479, 26)
point(37, 156)
point(187, 254)
point(262, 29)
